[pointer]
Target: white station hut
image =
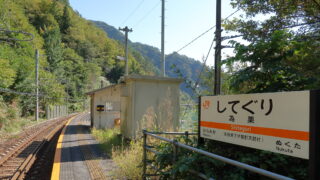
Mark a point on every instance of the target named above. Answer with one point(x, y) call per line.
point(136, 103)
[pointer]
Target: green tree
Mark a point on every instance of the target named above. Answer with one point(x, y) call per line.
point(283, 49)
point(269, 68)
point(7, 75)
point(53, 47)
point(115, 73)
point(278, 14)
point(65, 22)
point(75, 54)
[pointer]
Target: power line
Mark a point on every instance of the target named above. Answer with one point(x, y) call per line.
point(204, 64)
point(231, 14)
point(4, 90)
point(196, 38)
point(132, 13)
point(7, 32)
point(16, 92)
point(198, 79)
point(202, 34)
point(147, 14)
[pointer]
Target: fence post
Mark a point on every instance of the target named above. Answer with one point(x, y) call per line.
point(144, 154)
point(175, 154)
point(175, 150)
point(187, 137)
point(55, 111)
point(47, 112)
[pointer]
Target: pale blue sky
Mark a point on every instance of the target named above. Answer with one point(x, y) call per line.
point(185, 20)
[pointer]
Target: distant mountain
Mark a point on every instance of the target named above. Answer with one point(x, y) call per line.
point(188, 67)
point(112, 32)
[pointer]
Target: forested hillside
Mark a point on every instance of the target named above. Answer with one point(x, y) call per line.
point(176, 65)
point(75, 55)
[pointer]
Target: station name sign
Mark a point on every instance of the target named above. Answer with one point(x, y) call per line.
point(276, 122)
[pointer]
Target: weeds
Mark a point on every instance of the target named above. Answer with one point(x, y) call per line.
point(126, 154)
point(10, 120)
point(108, 139)
point(129, 161)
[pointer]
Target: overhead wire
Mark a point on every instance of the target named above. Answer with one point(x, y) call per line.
point(205, 32)
point(147, 14)
point(4, 90)
point(205, 60)
point(198, 79)
point(204, 63)
point(133, 12)
point(7, 32)
point(17, 92)
point(193, 40)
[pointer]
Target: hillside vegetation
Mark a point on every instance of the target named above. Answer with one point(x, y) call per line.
point(75, 55)
point(176, 65)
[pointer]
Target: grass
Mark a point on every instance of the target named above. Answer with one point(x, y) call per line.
point(10, 120)
point(108, 139)
point(16, 125)
point(13, 126)
point(126, 155)
point(129, 161)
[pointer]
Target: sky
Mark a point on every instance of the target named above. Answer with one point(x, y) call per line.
point(184, 19)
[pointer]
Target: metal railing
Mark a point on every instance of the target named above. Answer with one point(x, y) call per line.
point(177, 145)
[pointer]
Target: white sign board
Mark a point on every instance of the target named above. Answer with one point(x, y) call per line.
point(277, 122)
point(121, 58)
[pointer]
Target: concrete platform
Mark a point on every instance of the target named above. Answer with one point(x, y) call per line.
point(78, 156)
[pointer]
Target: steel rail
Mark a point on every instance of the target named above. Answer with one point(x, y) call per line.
point(46, 135)
point(27, 164)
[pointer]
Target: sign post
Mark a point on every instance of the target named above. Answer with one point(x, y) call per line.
point(314, 147)
point(284, 122)
point(200, 139)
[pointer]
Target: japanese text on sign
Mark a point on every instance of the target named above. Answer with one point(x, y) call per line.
point(259, 121)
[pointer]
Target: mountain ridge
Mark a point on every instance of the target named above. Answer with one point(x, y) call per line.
point(189, 68)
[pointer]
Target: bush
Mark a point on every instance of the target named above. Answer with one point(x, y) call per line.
point(2, 121)
point(12, 113)
point(3, 109)
point(10, 119)
point(187, 160)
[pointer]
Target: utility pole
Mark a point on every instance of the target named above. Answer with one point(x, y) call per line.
point(37, 85)
point(126, 30)
point(163, 62)
point(217, 58)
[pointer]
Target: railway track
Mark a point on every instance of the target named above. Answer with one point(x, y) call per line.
point(18, 154)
